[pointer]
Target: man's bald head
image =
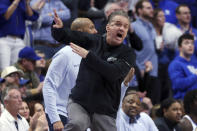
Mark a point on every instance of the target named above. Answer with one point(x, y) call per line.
point(83, 25)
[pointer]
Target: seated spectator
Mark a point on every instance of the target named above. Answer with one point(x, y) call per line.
point(129, 116)
point(170, 113)
point(182, 70)
point(23, 88)
point(11, 75)
point(188, 123)
point(24, 111)
point(40, 65)
point(26, 63)
point(10, 119)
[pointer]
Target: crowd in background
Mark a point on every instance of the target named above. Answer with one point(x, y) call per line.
point(162, 33)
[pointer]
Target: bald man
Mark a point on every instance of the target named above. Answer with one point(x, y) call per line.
point(61, 77)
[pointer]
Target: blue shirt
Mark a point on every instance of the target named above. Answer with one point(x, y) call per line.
point(59, 81)
point(183, 77)
point(44, 33)
point(15, 25)
point(194, 31)
point(147, 34)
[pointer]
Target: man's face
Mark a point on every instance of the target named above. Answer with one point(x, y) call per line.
point(187, 47)
point(15, 100)
point(42, 62)
point(174, 112)
point(13, 78)
point(131, 105)
point(146, 11)
point(117, 30)
point(90, 28)
point(29, 65)
point(184, 15)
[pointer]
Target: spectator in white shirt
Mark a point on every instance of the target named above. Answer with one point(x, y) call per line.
point(10, 119)
point(129, 116)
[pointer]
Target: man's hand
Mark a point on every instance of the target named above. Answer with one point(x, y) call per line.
point(79, 50)
point(58, 126)
point(148, 66)
point(34, 120)
point(40, 86)
point(129, 76)
point(58, 21)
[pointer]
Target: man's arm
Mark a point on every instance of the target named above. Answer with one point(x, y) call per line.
point(55, 75)
point(135, 40)
point(110, 71)
point(65, 35)
point(125, 84)
point(11, 9)
point(178, 78)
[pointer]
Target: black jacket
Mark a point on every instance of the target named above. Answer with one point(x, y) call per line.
point(101, 73)
point(164, 124)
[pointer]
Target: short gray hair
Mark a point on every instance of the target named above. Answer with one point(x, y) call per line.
point(6, 95)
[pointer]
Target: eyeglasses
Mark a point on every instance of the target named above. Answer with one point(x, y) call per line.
point(13, 75)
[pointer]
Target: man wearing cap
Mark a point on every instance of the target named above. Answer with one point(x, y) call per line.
point(11, 75)
point(26, 63)
point(13, 79)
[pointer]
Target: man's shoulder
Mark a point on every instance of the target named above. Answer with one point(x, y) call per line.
point(160, 122)
point(66, 52)
point(178, 61)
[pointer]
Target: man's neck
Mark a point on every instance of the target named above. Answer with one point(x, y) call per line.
point(184, 26)
point(13, 113)
point(144, 19)
point(188, 58)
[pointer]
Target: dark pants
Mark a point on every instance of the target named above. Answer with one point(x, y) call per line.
point(63, 119)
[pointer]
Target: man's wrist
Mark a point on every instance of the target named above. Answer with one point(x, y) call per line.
point(15, 3)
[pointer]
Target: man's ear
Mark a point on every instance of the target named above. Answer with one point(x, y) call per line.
point(107, 28)
point(139, 11)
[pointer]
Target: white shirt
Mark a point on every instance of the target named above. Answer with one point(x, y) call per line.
point(60, 79)
point(143, 123)
point(7, 122)
point(194, 126)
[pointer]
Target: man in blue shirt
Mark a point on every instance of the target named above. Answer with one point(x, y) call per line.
point(145, 30)
point(13, 14)
point(182, 70)
point(183, 15)
point(61, 77)
point(43, 40)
